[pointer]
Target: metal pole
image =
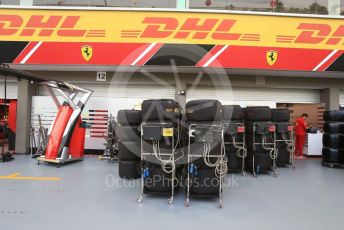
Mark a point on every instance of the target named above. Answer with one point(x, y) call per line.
point(4, 124)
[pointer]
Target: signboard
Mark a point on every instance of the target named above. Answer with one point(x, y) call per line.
point(170, 27)
point(140, 38)
point(101, 76)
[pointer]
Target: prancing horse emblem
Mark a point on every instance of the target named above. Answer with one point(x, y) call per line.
point(271, 57)
point(87, 52)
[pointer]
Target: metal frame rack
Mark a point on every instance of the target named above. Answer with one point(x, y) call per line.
point(207, 139)
point(155, 132)
point(111, 147)
point(42, 138)
point(264, 129)
point(286, 130)
point(69, 93)
point(234, 129)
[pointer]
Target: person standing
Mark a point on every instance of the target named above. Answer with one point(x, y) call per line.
point(301, 127)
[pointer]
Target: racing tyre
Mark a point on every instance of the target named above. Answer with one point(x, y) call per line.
point(128, 133)
point(129, 151)
point(129, 117)
point(128, 169)
point(257, 113)
point(205, 183)
point(203, 110)
point(232, 113)
point(160, 110)
point(335, 156)
point(280, 115)
point(334, 127)
point(331, 140)
point(335, 115)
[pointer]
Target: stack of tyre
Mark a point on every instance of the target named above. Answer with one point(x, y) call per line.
point(232, 114)
point(158, 178)
point(281, 117)
point(258, 159)
point(203, 178)
point(333, 138)
point(129, 143)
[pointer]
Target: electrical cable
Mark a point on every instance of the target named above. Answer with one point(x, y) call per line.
point(290, 143)
point(273, 151)
point(220, 165)
point(241, 149)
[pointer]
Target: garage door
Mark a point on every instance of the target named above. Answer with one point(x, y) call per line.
point(12, 89)
point(255, 96)
point(105, 100)
point(341, 98)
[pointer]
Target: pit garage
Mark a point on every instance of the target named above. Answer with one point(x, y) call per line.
point(168, 115)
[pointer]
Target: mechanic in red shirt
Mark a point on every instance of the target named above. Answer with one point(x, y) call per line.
point(301, 127)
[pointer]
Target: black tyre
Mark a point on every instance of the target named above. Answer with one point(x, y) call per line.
point(128, 133)
point(234, 162)
point(335, 115)
point(128, 169)
point(262, 161)
point(257, 113)
point(205, 183)
point(203, 110)
point(280, 115)
point(232, 113)
point(129, 151)
point(129, 117)
point(160, 110)
point(283, 155)
point(331, 140)
point(334, 127)
point(335, 156)
point(341, 141)
point(158, 181)
point(260, 126)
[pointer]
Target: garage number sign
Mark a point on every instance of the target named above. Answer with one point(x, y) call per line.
point(101, 76)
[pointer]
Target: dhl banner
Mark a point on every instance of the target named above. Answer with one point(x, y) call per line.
point(228, 40)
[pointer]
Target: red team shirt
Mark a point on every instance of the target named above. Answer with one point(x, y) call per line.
point(300, 126)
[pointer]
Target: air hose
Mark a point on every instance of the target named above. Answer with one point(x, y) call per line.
point(164, 163)
point(273, 151)
point(290, 143)
point(241, 149)
point(220, 165)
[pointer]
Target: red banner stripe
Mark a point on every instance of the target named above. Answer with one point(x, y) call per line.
point(25, 52)
point(209, 55)
point(256, 58)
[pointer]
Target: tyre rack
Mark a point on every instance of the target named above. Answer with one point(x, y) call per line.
point(221, 162)
point(287, 132)
point(164, 130)
point(68, 92)
point(235, 129)
point(264, 129)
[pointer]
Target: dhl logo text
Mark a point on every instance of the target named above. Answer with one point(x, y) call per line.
point(194, 28)
point(221, 29)
point(44, 26)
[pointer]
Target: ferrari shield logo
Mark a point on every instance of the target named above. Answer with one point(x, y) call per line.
point(271, 57)
point(87, 52)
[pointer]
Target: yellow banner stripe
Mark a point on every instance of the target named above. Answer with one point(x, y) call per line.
point(170, 27)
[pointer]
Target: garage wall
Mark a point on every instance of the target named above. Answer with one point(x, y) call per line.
point(254, 96)
point(12, 89)
point(341, 98)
